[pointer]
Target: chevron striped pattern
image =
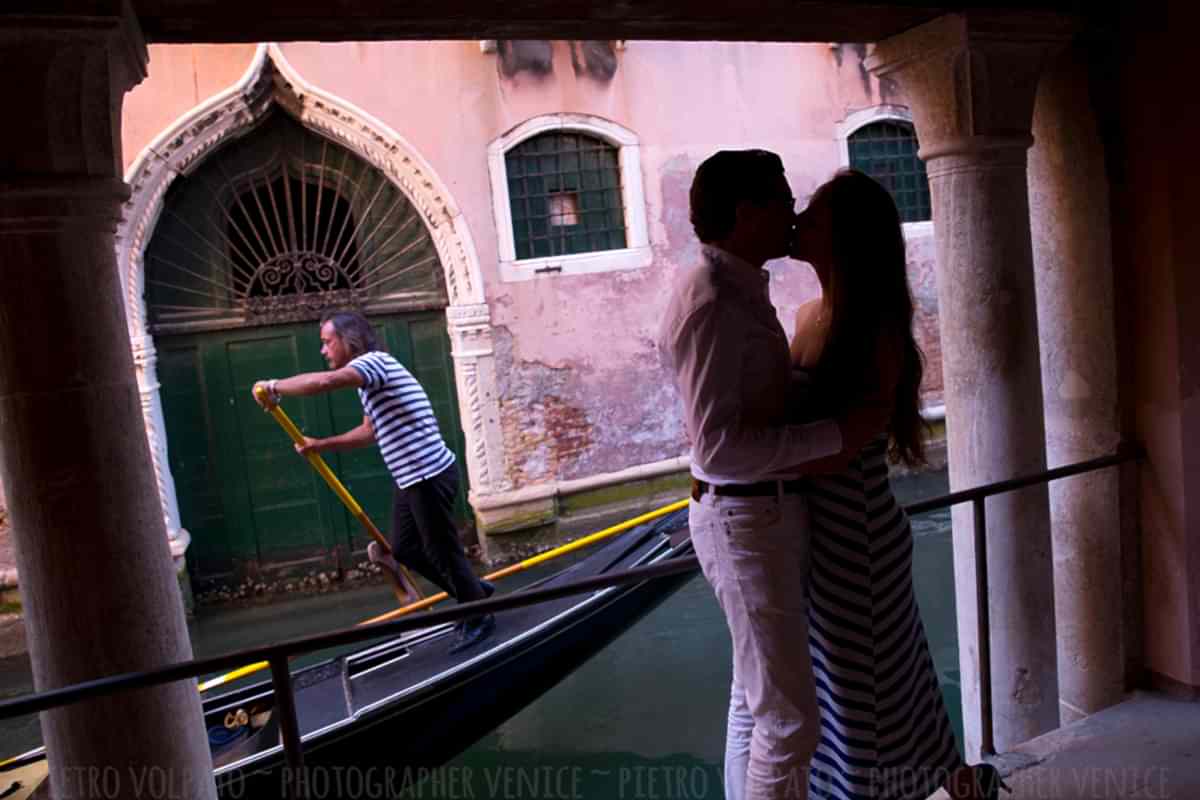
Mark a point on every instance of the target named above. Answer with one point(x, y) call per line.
point(885, 732)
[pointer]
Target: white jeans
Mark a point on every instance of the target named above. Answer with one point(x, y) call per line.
point(755, 553)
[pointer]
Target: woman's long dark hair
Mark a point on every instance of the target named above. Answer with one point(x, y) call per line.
point(872, 308)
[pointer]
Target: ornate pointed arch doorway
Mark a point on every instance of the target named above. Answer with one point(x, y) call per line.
point(341, 178)
point(250, 248)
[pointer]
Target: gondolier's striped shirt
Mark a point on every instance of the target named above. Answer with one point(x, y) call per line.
point(405, 428)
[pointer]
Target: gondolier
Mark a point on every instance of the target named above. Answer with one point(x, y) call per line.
point(398, 417)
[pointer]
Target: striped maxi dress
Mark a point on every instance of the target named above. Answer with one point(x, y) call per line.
point(885, 732)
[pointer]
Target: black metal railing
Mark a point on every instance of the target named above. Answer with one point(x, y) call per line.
point(977, 497)
point(277, 654)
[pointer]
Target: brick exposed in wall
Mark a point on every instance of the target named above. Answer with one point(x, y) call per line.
point(544, 438)
point(566, 422)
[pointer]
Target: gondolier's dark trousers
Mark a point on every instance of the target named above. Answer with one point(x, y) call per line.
point(425, 538)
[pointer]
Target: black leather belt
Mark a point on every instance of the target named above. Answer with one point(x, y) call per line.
point(760, 489)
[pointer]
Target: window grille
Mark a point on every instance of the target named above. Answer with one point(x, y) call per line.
point(565, 194)
point(887, 151)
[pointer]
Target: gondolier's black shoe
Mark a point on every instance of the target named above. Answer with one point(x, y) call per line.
point(472, 632)
point(376, 555)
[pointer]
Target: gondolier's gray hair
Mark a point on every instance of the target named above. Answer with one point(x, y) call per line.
point(355, 332)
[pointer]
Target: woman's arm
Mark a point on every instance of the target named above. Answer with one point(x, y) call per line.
point(805, 351)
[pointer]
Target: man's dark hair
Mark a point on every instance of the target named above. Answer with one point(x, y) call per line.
point(725, 179)
point(356, 333)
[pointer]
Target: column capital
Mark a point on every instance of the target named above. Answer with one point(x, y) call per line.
point(971, 78)
point(69, 65)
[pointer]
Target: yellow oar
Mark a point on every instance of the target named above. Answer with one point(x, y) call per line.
point(28, 778)
point(538, 559)
point(404, 593)
point(497, 575)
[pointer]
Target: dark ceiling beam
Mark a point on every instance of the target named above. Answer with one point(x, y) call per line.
point(686, 20)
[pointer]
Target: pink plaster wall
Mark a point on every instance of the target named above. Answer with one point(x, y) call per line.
point(581, 388)
point(180, 77)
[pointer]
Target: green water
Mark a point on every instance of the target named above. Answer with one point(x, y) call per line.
point(643, 719)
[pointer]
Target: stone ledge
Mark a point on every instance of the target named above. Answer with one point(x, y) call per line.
point(517, 516)
point(551, 489)
point(516, 531)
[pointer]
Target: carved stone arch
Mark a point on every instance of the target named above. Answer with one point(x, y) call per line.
point(268, 82)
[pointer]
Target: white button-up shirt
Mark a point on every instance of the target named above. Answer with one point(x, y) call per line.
point(723, 341)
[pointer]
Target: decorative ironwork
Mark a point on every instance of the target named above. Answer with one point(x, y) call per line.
point(300, 307)
point(284, 225)
point(297, 273)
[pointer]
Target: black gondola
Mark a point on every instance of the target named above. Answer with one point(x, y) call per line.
point(391, 709)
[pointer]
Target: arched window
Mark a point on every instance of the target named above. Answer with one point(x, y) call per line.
point(567, 193)
point(887, 151)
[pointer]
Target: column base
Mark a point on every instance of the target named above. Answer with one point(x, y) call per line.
point(1171, 687)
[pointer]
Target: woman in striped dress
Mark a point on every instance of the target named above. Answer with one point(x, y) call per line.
point(885, 732)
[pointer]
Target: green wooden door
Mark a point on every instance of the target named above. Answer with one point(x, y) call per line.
point(250, 503)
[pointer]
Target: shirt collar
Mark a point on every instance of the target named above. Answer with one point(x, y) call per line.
point(739, 273)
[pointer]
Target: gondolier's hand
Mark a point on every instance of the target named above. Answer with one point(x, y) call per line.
point(310, 446)
point(265, 395)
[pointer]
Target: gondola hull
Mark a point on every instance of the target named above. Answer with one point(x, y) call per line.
point(388, 712)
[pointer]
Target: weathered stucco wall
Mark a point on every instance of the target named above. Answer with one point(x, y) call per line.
point(580, 386)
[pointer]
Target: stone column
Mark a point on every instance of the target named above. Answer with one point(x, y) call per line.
point(971, 80)
point(97, 585)
point(1073, 264)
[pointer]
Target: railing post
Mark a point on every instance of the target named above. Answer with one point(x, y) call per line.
point(293, 780)
point(983, 627)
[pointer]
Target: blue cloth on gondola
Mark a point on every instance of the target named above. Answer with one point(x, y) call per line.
point(220, 736)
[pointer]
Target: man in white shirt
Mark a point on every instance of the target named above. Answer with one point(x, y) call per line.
point(749, 523)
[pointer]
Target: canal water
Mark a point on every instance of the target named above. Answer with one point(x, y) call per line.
point(644, 718)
